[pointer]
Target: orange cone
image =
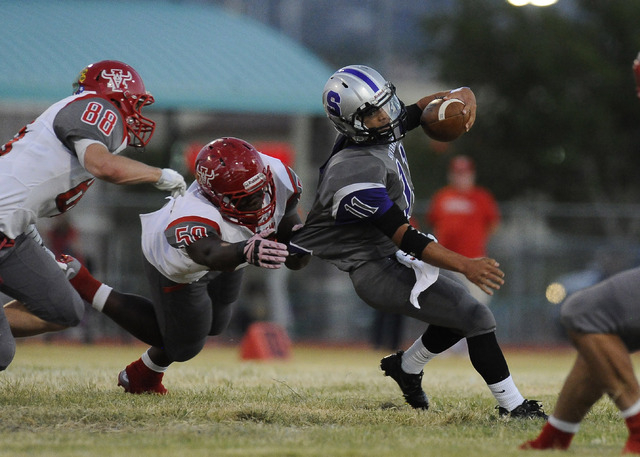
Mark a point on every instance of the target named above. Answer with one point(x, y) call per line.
point(265, 340)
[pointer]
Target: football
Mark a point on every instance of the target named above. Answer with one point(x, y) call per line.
point(443, 120)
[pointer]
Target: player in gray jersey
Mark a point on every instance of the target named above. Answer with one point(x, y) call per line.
point(46, 169)
point(603, 322)
point(359, 223)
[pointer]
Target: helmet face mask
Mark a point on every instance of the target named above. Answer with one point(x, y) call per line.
point(123, 86)
point(390, 107)
point(232, 176)
point(355, 92)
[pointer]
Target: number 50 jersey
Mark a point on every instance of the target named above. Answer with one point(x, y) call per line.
point(185, 219)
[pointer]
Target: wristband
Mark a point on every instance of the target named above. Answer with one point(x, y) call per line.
point(414, 241)
point(240, 250)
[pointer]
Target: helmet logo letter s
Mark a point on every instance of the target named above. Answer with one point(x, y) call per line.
point(83, 76)
point(333, 103)
point(118, 79)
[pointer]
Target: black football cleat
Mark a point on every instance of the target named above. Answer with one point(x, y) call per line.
point(529, 409)
point(410, 384)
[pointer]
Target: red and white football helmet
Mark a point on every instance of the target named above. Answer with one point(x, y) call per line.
point(232, 176)
point(122, 85)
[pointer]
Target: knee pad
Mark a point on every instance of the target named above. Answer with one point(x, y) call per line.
point(70, 316)
point(479, 321)
point(220, 320)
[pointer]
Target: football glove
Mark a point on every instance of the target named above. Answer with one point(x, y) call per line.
point(173, 181)
point(264, 253)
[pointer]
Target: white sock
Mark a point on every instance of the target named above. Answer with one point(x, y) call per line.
point(416, 357)
point(564, 426)
point(150, 365)
point(507, 394)
point(631, 411)
point(100, 298)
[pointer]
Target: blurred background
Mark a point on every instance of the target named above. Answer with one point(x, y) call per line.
point(556, 138)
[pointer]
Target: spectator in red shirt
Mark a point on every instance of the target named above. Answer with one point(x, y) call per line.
point(463, 216)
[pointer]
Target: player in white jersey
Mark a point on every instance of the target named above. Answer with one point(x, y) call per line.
point(359, 221)
point(195, 248)
point(45, 170)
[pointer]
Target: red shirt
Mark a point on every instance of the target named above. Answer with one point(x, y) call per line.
point(463, 220)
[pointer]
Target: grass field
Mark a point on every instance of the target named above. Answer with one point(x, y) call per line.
point(63, 401)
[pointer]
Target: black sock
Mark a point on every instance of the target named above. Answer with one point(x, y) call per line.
point(487, 358)
point(438, 339)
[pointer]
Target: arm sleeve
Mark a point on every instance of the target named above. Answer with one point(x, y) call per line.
point(413, 241)
point(413, 116)
point(389, 222)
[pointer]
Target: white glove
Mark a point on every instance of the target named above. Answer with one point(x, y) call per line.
point(173, 181)
point(264, 253)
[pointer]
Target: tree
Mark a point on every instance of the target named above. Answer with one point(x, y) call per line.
point(557, 111)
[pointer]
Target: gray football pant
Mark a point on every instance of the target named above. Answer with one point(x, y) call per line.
point(386, 285)
point(29, 274)
point(611, 306)
point(188, 313)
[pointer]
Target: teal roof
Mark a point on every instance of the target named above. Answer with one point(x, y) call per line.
point(190, 56)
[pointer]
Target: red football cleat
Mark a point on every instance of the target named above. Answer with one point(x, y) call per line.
point(137, 378)
point(632, 446)
point(549, 438)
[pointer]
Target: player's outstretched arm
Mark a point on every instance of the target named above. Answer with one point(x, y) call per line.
point(118, 169)
point(287, 227)
point(483, 272)
point(214, 253)
point(220, 255)
point(465, 94)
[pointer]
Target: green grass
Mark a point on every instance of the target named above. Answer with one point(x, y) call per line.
point(63, 401)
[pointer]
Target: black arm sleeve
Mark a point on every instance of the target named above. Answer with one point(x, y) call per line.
point(413, 242)
point(413, 116)
point(389, 222)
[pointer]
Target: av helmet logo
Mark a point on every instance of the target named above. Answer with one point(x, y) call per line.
point(117, 79)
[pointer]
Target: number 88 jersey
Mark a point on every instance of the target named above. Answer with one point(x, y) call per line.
point(41, 172)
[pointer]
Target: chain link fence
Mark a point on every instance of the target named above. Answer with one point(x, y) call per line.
point(546, 250)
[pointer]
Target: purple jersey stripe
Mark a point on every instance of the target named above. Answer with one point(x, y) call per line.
point(363, 204)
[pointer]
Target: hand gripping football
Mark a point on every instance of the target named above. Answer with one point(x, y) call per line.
point(443, 120)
